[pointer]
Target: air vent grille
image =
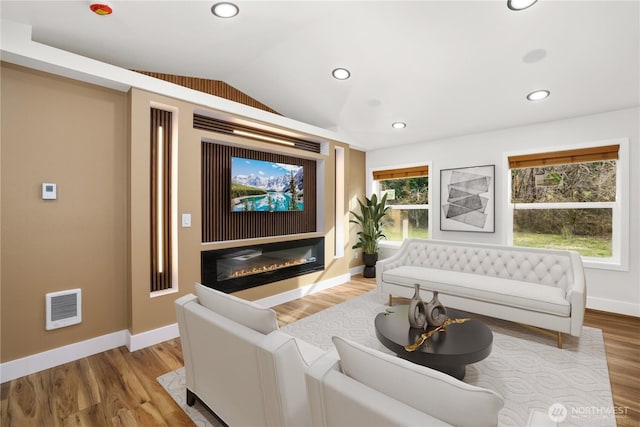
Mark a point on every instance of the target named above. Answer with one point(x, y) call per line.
point(221, 126)
point(63, 308)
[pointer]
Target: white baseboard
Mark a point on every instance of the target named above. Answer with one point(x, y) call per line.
point(356, 270)
point(613, 306)
point(155, 336)
point(68, 353)
point(305, 290)
point(61, 355)
point(58, 356)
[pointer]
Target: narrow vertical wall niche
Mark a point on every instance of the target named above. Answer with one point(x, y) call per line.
point(339, 212)
point(161, 220)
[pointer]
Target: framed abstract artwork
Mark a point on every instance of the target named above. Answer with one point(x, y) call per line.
point(467, 200)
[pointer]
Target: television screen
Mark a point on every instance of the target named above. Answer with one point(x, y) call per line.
point(258, 185)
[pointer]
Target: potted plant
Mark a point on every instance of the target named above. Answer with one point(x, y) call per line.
point(371, 220)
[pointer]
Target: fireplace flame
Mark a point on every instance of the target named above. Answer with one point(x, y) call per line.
point(268, 267)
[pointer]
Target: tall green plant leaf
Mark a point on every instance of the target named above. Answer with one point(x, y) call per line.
point(371, 220)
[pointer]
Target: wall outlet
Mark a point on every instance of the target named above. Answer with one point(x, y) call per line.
point(355, 254)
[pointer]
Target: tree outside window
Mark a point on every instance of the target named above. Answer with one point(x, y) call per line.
point(565, 206)
point(409, 202)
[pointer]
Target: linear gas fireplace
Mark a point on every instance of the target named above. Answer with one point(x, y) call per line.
point(231, 270)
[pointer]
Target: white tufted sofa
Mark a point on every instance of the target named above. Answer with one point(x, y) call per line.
point(538, 287)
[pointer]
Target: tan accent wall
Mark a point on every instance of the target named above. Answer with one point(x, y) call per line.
point(94, 143)
point(154, 312)
point(75, 135)
point(151, 312)
point(356, 178)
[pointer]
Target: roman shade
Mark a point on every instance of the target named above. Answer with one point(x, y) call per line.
point(401, 173)
point(582, 155)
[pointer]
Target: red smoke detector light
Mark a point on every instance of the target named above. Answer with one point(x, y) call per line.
point(101, 9)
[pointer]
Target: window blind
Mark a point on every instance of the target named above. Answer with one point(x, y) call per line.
point(401, 173)
point(582, 155)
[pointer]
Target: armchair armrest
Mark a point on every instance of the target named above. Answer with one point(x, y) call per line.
point(395, 260)
point(185, 337)
point(282, 365)
point(314, 375)
point(577, 294)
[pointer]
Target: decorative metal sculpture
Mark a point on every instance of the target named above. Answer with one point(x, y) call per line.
point(427, 334)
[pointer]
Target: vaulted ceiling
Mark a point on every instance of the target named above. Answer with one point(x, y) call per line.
point(445, 68)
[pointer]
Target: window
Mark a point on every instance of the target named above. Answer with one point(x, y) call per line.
point(407, 192)
point(567, 200)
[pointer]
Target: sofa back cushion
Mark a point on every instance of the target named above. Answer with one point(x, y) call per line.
point(247, 313)
point(422, 388)
point(545, 267)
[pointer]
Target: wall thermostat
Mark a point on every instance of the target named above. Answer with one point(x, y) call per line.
point(49, 191)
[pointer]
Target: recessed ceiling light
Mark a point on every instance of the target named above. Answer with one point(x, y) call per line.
point(520, 4)
point(225, 10)
point(341, 74)
point(398, 125)
point(537, 95)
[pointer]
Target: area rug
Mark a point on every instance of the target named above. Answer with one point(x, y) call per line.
point(525, 367)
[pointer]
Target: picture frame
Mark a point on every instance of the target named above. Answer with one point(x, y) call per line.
point(467, 199)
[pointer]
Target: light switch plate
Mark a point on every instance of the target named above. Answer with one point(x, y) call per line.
point(186, 220)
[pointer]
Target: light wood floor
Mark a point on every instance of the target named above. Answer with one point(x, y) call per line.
point(118, 388)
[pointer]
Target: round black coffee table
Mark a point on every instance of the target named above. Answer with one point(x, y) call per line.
point(449, 352)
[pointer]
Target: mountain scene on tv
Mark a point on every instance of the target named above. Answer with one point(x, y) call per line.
point(257, 185)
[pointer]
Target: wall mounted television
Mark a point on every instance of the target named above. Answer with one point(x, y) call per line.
point(258, 185)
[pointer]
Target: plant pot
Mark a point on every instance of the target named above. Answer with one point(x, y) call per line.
point(369, 261)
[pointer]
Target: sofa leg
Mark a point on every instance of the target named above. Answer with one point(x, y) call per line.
point(191, 398)
point(559, 339)
point(558, 335)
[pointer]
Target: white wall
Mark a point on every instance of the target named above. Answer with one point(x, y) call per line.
point(617, 291)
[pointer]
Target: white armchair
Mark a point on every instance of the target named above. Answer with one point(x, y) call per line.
point(239, 365)
point(365, 387)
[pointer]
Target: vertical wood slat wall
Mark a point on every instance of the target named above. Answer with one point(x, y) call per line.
point(212, 87)
point(219, 223)
point(161, 280)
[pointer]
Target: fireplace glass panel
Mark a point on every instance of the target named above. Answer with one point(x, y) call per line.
point(231, 270)
point(254, 261)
